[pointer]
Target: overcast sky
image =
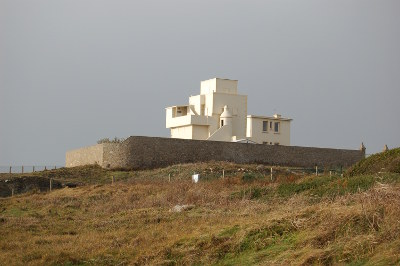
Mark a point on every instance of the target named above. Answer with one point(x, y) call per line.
point(72, 72)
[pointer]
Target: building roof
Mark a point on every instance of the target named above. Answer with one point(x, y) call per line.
point(225, 79)
point(270, 117)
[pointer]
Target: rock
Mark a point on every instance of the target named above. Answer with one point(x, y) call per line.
point(179, 208)
point(71, 185)
point(260, 167)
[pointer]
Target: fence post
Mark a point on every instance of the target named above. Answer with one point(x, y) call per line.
point(330, 173)
point(271, 175)
point(51, 184)
point(169, 177)
point(223, 173)
point(12, 192)
point(316, 170)
point(112, 180)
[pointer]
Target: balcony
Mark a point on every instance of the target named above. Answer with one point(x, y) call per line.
point(187, 120)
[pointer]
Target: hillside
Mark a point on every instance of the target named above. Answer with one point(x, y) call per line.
point(242, 219)
point(388, 161)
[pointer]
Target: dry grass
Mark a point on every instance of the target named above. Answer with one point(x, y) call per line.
point(234, 222)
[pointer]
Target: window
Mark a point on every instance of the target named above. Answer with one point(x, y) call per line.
point(222, 123)
point(265, 126)
point(277, 124)
point(270, 125)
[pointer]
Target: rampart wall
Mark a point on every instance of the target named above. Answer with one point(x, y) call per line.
point(138, 152)
point(86, 155)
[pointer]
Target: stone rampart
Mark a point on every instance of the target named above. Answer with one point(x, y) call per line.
point(139, 152)
point(86, 155)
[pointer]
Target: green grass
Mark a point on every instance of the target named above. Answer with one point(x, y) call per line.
point(228, 232)
point(388, 161)
point(260, 245)
point(325, 186)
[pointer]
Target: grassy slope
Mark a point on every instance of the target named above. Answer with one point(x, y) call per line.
point(388, 161)
point(293, 220)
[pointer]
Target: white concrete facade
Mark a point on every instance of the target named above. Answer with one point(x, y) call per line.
point(219, 113)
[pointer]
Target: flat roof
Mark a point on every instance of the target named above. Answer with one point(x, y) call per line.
point(220, 78)
point(184, 105)
point(270, 117)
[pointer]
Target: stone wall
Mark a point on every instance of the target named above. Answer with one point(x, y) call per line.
point(83, 156)
point(150, 152)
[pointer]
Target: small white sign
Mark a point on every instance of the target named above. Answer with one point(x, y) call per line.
point(195, 178)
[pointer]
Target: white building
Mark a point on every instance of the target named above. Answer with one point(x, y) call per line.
point(219, 113)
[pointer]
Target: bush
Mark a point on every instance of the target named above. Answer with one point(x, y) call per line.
point(248, 177)
point(107, 140)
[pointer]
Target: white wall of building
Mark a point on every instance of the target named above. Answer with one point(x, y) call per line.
point(199, 132)
point(256, 132)
point(237, 104)
point(218, 85)
point(183, 132)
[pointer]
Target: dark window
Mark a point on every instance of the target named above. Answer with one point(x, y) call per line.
point(222, 123)
point(277, 127)
point(265, 126)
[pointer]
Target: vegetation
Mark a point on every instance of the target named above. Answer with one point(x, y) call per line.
point(244, 218)
point(388, 161)
point(114, 140)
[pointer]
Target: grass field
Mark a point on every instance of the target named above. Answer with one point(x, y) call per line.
point(242, 219)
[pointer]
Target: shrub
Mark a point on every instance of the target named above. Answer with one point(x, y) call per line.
point(107, 140)
point(248, 177)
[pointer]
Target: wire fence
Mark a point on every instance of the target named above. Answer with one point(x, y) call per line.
point(21, 169)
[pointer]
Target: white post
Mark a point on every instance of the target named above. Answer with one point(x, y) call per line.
point(271, 175)
point(169, 177)
point(223, 173)
point(330, 173)
point(316, 170)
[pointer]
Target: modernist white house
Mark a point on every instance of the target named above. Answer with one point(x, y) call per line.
point(219, 113)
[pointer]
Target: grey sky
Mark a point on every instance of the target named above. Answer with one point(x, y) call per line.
point(72, 72)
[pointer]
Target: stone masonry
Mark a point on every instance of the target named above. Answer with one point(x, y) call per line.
point(138, 152)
